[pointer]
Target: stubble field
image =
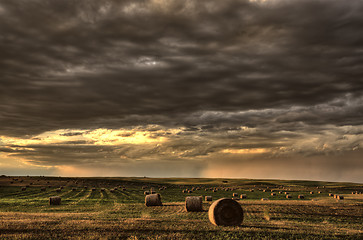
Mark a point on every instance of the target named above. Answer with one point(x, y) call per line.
point(92, 208)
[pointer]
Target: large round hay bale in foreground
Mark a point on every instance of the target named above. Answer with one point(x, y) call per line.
point(55, 200)
point(194, 204)
point(225, 212)
point(153, 200)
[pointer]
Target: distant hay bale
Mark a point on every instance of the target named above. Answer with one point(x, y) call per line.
point(184, 191)
point(300, 197)
point(55, 200)
point(264, 199)
point(280, 192)
point(146, 193)
point(61, 187)
point(331, 195)
point(235, 194)
point(214, 190)
point(74, 189)
point(208, 198)
point(252, 190)
point(335, 195)
point(194, 204)
point(340, 197)
point(153, 200)
point(288, 196)
point(273, 194)
point(264, 190)
point(319, 192)
point(286, 193)
point(311, 192)
point(190, 191)
point(206, 189)
point(225, 212)
point(112, 191)
point(243, 196)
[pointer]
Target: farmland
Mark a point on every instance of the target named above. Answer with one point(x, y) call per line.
point(113, 208)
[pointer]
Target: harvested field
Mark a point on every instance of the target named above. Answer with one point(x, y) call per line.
point(88, 214)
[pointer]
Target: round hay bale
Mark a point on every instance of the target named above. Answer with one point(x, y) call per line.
point(243, 196)
point(146, 193)
point(252, 190)
point(264, 199)
point(55, 200)
point(331, 195)
point(190, 191)
point(288, 196)
point(311, 192)
point(74, 189)
point(300, 197)
point(194, 204)
point(273, 194)
point(208, 198)
point(225, 212)
point(339, 197)
point(49, 186)
point(153, 200)
point(235, 195)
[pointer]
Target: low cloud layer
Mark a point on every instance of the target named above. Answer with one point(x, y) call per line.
point(175, 88)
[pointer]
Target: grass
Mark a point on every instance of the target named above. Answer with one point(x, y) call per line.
point(87, 214)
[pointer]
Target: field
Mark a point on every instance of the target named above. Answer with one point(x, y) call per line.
point(87, 212)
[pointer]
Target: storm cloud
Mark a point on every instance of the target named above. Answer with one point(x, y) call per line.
point(266, 80)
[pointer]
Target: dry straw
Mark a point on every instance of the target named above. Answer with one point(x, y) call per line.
point(153, 200)
point(225, 212)
point(194, 204)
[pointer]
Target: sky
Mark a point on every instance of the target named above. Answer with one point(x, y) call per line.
point(230, 89)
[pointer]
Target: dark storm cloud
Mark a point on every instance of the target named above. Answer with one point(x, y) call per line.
point(88, 64)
